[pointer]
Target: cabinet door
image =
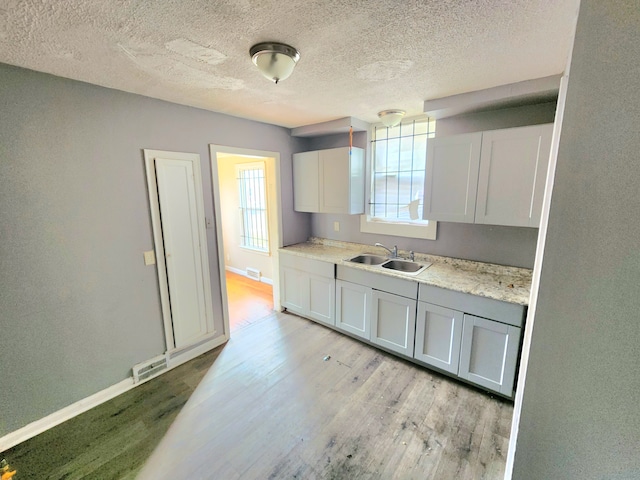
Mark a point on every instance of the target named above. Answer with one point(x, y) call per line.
point(452, 178)
point(293, 289)
point(322, 294)
point(306, 195)
point(489, 354)
point(334, 180)
point(438, 336)
point(342, 180)
point(513, 170)
point(353, 308)
point(393, 322)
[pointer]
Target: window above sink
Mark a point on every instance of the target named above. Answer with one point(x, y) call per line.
point(396, 189)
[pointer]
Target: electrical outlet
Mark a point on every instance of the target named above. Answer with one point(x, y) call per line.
point(336, 226)
point(149, 257)
point(208, 223)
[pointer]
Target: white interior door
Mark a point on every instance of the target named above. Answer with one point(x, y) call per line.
point(183, 258)
point(175, 193)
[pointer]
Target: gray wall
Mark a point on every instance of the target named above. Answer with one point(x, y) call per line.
point(581, 407)
point(78, 307)
point(485, 243)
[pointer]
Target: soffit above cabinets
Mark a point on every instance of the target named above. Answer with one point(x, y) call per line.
point(539, 90)
point(341, 125)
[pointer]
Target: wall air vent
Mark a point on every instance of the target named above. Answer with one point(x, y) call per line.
point(150, 368)
point(254, 273)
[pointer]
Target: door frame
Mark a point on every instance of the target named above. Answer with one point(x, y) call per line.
point(149, 160)
point(277, 235)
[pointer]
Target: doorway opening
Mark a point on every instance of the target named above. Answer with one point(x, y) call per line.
point(248, 228)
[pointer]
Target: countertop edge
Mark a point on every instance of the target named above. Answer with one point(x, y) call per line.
point(496, 282)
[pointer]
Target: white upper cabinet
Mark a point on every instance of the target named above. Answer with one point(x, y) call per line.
point(329, 181)
point(452, 178)
point(513, 171)
point(495, 177)
point(306, 188)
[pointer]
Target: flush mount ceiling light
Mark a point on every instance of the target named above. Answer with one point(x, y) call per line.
point(274, 60)
point(391, 118)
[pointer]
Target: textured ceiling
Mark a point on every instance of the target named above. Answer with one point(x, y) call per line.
point(357, 57)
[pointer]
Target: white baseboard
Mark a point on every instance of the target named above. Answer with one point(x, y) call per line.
point(56, 418)
point(178, 357)
point(266, 280)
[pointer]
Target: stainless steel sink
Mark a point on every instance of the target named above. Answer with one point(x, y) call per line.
point(405, 266)
point(368, 259)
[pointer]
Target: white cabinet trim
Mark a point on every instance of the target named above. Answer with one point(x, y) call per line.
point(363, 311)
point(454, 339)
point(503, 380)
point(408, 321)
point(458, 158)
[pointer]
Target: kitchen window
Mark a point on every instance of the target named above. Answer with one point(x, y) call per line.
point(398, 163)
point(254, 233)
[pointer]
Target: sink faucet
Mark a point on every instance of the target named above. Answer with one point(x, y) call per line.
point(393, 253)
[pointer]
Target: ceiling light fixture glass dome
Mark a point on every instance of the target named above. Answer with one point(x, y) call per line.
point(275, 61)
point(391, 118)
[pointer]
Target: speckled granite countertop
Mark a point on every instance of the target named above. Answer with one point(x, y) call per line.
point(507, 284)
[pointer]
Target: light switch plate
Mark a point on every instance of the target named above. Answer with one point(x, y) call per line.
point(149, 257)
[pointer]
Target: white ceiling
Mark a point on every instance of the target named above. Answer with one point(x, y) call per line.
point(357, 56)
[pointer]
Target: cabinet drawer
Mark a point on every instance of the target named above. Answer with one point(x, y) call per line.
point(310, 265)
point(398, 286)
point(504, 312)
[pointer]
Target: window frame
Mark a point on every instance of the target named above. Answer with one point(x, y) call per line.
point(422, 229)
point(253, 166)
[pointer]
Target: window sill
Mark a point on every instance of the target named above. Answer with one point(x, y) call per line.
point(427, 232)
point(266, 253)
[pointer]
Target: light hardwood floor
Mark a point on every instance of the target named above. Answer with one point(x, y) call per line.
point(274, 405)
point(268, 406)
point(248, 300)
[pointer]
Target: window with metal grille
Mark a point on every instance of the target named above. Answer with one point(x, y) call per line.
point(254, 233)
point(398, 170)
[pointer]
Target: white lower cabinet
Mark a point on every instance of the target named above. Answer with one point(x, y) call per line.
point(481, 349)
point(426, 323)
point(489, 353)
point(291, 291)
point(378, 308)
point(307, 287)
point(353, 308)
point(438, 336)
point(321, 294)
point(393, 322)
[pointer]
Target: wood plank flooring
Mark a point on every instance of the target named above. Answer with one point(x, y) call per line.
point(268, 406)
point(272, 407)
point(248, 300)
point(113, 440)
